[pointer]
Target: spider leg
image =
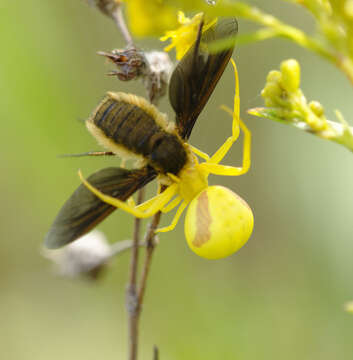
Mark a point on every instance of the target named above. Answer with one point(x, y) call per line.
point(131, 201)
point(212, 165)
point(176, 218)
point(145, 205)
point(214, 168)
point(222, 151)
point(174, 203)
point(200, 153)
point(155, 205)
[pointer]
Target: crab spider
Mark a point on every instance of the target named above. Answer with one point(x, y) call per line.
point(218, 222)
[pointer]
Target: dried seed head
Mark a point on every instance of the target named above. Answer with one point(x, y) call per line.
point(86, 256)
point(131, 63)
point(157, 74)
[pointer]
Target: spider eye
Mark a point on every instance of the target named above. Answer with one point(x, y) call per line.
point(218, 223)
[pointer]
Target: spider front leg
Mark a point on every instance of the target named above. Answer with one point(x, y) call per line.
point(198, 152)
point(222, 151)
point(212, 165)
point(147, 204)
point(153, 206)
point(214, 168)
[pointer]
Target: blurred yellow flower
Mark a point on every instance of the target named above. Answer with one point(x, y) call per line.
point(150, 17)
point(185, 35)
point(349, 307)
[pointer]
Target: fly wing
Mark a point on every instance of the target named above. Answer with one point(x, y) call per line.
point(197, 74)
point(84, 210)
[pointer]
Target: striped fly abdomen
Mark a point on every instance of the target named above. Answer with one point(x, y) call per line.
point(130, 125)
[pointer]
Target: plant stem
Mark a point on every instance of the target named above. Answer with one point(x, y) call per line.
point(135, 293)
point(155, 353)
point(135, 297)
point(150, 246)
point(131, 291)
point(120, 22)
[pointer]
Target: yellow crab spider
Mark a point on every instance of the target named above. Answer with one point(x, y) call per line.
point(218, 222)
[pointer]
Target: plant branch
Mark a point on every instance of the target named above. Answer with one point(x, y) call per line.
point(155, 353)
point(285, 102)
point(340, 133)
point(135, 297)
point(151, 243)
point(132, 303)
point(327, 46)
point(120, 23)
point(136, 241)
point(154, 69)
point(113, 9)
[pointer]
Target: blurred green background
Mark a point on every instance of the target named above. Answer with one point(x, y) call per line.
point(280, 297)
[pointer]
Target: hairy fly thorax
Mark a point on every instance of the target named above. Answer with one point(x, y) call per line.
point(131, 127)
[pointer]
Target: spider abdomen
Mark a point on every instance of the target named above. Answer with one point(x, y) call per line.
point(218, 223)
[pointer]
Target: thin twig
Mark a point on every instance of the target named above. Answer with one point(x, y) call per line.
point(121, 246)
point(120, 22)
point(135, 297)
point(155, 353)
point(150, 246)
point(132, 302)
point(134, 293)
point(136, 241)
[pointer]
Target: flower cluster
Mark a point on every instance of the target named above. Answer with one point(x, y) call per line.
point(286, 103)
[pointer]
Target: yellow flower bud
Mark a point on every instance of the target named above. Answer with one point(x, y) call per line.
point(317, 108)
point(271, 92)
point(290, 75)
point(218, 223)
point(274, 76)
